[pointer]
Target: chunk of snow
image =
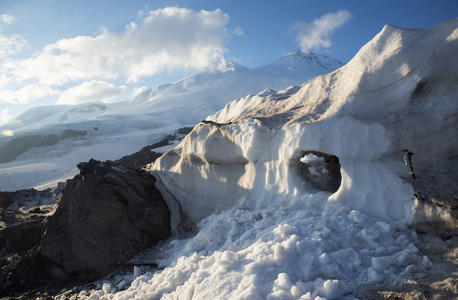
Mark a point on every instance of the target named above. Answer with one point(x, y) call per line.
point(311, 158)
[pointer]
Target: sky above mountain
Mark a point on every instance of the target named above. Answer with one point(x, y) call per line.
point(70, 52)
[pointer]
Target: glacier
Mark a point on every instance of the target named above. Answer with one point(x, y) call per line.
point(367, 113)
point(249, 225)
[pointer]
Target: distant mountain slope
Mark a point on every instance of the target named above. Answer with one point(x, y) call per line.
point(205, 92)
point(117, 129)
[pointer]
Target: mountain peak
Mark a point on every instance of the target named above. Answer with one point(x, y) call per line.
point(310, 58)
point(225, 66)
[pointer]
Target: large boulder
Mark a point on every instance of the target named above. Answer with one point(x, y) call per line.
point(107, 214)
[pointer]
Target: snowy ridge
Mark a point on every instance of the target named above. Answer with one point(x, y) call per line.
point(46, 116)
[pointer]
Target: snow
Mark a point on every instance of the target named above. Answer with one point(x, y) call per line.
point(260, 232)
point(311, 158)
point(246, 223)
point(119, 129)
point(283, 252)
point(365, 113)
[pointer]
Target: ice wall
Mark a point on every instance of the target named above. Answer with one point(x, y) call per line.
point(398, 93)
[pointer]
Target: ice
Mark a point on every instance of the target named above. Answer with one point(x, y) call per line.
point(357, 113)
point(302, 253)
point(106, 288)
point(236, 183)
point(311, 158)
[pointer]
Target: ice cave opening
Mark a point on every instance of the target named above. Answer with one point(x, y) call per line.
point(319, 170)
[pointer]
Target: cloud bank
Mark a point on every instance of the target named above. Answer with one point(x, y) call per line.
point(165, 39)
point(317, 34)
point(89, 92)
point(25, 94)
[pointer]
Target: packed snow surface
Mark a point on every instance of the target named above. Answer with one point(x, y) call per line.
point(284, 252)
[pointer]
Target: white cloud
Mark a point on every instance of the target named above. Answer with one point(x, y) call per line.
point(4, 80)
point(9, 44)
point(26, 94)
point(316, 34)
point(6, 19)
point(166, 39)
point(238, 31)
point(90, 91)
point(5, 116)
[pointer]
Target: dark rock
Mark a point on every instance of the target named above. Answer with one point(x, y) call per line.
point(107, 214)
point(26, 271)
point(22, 267)
point(20, 236)
point(143, 157)
point(20, 229)
point(184, 130)
point(19, 145)
point(5, 199)
point(30, 197)
point(323, 175)
point(146, 155)
point(70, 133)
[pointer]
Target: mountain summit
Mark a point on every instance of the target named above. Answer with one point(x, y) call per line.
point(311, 58)
point(294, 68)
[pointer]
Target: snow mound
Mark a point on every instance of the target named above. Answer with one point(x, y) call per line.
point(281, 253)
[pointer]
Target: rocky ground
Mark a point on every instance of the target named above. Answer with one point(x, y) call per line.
point(104, 216)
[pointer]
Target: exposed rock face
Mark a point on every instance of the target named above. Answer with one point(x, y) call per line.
point(143, 157)
point(107, 214)
point(19, 145)
point(22, 214)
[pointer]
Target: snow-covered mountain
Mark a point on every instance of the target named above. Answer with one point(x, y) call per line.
point(256, 183)
point(114, 130)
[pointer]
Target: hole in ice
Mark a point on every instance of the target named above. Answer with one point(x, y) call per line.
point(320, 170)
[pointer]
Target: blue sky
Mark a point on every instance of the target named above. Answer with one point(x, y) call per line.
point(70, 52)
